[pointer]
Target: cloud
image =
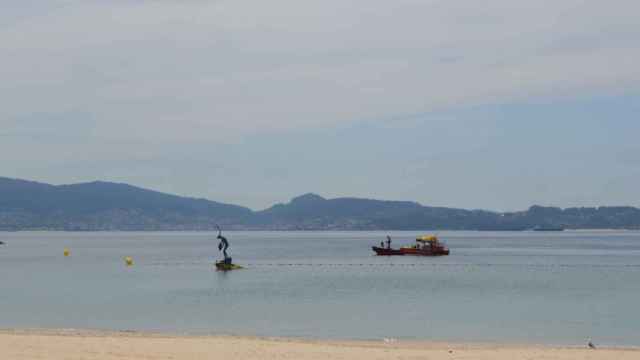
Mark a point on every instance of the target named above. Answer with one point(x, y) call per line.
point(174, 71)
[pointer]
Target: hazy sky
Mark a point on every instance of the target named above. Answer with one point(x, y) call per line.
point(492, 104)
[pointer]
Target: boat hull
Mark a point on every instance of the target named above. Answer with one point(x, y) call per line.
point(425, 252)
point(409, 251)
point(386, 252)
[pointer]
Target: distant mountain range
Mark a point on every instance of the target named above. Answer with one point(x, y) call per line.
point(28, 205)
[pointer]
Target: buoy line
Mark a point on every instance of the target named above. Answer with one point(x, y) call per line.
point(435, 265)
point(405, 265)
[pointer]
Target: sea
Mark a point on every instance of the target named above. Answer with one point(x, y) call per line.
point(556, 288)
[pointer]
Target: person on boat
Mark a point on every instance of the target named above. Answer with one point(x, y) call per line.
point(388, 242)
point(224, 244)
point(382, 244)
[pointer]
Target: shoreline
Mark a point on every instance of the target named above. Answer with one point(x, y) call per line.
point(125, 344)
point(98, 333)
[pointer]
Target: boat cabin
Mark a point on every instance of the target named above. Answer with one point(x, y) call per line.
point(427, 242)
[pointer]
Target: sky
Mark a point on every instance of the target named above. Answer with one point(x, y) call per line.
point(494, 105)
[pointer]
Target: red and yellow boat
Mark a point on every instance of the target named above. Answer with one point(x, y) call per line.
point(427, 245)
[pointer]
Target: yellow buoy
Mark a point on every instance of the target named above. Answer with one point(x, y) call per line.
point(128, 260)
point(67, 252)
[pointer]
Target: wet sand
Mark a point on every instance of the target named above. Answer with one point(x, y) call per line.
point(81, 344)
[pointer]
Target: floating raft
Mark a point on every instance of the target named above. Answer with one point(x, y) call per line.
point(226, 266)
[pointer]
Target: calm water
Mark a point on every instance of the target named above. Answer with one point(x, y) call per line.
point(554, 288)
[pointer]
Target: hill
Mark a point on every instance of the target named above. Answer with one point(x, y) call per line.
point(311, 212)
point(106, 206)
point(27, 205)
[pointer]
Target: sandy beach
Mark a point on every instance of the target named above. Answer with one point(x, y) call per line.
point(95, 345)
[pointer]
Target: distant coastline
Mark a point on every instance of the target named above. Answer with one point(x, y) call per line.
point(419, 231)
point(105, 206)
